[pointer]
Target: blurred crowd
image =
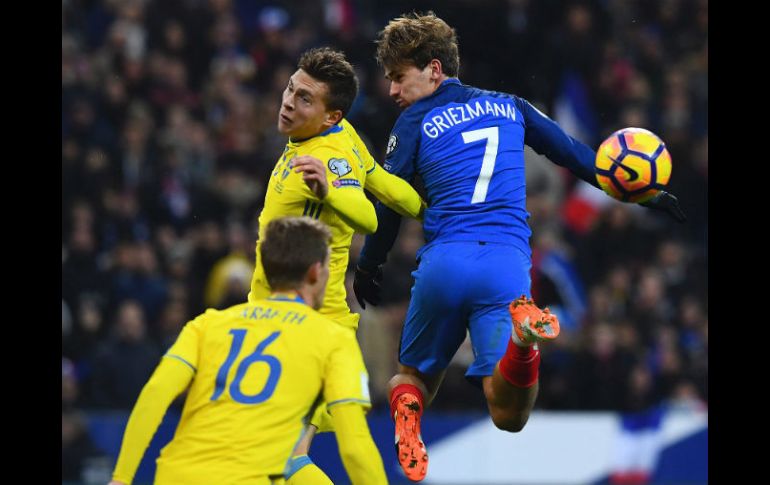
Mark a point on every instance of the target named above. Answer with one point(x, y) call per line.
point(169, 137)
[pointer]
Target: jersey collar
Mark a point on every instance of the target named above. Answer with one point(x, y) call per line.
point(451, 80)
point(286, 296)
point(332, 129)
point(441, 87)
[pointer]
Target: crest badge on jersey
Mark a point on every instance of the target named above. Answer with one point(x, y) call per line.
point(392, 144)
point(287, 169)
point(339, 167)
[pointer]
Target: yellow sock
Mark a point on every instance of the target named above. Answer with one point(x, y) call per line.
point(304, 472)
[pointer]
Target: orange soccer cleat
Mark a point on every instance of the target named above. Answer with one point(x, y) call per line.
point(410, 448)
point(530, 323)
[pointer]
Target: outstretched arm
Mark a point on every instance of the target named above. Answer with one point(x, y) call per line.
point(343, 390)
point(547, 138)
point(170, 378)
point(359, 454)
point(395, 192)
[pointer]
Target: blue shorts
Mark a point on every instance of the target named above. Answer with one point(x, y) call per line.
point(463, 286)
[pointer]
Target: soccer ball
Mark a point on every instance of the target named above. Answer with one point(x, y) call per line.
point(633, 165)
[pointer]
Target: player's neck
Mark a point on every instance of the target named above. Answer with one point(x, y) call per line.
point(324, 130)
point(440, 81)
point(436, 85)
point(288, 295)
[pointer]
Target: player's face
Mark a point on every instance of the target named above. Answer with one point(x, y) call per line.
point(303, 112)
point(408, 84)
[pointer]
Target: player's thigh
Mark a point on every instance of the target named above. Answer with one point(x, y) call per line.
point(506, 277)
point(436, 320)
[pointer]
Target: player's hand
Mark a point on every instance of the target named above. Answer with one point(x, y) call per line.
point(367, 286)
point(115, 482)
point(667, 202)
point(313, 174)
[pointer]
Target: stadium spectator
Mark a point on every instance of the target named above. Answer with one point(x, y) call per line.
point(653, 71)
point(123, 364)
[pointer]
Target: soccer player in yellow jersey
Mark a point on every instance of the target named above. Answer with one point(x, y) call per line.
point(322, 173)
point(254, 372)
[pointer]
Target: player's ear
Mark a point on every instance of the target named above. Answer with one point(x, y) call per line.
point(436, 69)
point(333, 117)
point(313, 273)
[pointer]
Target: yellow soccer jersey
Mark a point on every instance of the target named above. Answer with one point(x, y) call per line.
point(348, 162)
point(259, 370)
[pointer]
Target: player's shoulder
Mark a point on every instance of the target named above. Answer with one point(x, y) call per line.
point(352, 139)
point(214, 315)
point(520, 104)
point(476, 92)
point(340, 153)
point(319, 319)
point(335, 141)
point(323, 322)
point(348, 128)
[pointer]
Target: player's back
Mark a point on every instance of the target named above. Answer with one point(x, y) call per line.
point(259, 371)
point(467, 145)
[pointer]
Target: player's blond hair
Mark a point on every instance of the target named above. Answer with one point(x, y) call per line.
point(291, 245)
point(417, 39)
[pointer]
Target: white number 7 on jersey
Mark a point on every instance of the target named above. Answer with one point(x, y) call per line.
point(488, 164)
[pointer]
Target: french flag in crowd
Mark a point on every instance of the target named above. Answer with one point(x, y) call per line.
point(340, 16)
point(638, 447)
point(563, 274)
point(574, 113)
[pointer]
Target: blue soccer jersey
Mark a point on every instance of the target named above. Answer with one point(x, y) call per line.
point(467, 145)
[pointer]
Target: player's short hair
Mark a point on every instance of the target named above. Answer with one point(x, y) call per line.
point(291, 245)
point(330, 67)
point(417, 39)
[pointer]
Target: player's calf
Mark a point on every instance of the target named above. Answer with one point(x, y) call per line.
point(512, 389)
point(521, 361)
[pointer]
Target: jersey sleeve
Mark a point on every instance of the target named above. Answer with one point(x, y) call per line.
point(187, 345)
point(395, 193)
point(359, 454)
point(389, 189)
point(547, 138)
point(401, 153)
point(344, 382)
point(170, 378)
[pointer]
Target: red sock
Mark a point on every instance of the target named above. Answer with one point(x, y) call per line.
point(519, 365)
point(401, 389)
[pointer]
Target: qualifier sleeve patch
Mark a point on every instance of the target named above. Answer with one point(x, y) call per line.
point(346, 183)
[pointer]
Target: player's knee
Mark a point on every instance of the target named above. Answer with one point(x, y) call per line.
point(512, 423)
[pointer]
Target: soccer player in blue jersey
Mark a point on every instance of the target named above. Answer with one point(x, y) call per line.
point(467, 145)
